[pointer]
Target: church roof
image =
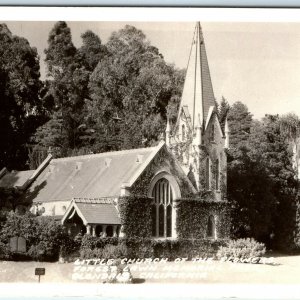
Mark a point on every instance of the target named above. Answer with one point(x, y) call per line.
point(90, 176)
point(14, 179)
point(197, 95)
point(93, 211)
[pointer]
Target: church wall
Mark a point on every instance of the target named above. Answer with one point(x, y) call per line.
point(192, 158)
point(163, 162)
point(193, 219)
point(216, 152)
point(52, 208)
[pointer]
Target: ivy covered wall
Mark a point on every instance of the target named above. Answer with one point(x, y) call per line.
point(164, 161)
point(193, 215)
point(135, 214)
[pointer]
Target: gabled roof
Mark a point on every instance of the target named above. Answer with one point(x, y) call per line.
point(90, 176)
point(211, 112)
point(93, 211)
point(15, 179)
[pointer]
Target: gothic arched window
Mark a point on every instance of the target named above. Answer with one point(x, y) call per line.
point(207, 173)
point(212, 133)
point(162, 209)
point(217, 175)
point(183, 132)
point(211, 227)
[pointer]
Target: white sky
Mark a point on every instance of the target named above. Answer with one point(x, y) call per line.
point(256, 63)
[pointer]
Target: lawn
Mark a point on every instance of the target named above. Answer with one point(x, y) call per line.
point(286, 270)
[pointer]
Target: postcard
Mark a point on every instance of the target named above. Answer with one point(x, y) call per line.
point(151, 152)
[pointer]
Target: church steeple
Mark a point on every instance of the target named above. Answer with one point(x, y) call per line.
point(197, 96)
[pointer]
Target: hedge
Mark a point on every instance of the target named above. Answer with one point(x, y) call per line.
point(93, 247)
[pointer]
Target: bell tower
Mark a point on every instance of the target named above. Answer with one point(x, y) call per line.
point(197, 139)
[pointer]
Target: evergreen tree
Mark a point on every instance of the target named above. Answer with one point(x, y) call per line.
point(223, 110)
point(69, 70)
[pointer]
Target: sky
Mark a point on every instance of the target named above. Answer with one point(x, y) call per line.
point(255, 63)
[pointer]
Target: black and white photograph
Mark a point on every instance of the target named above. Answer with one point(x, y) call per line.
point(145, 153)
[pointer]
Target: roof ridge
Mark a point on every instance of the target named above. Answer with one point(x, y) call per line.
point(102, 154)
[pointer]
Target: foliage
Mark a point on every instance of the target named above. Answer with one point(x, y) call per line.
point(130, 90)
point(240, 124)
point(43, 235)
point(241, 249)
point(115, 251)
point(135, 214)
point(223, 110)
point(68, 71)
point(19, 96)
point(261, 178)
point(140, 248)
point(10, 198)
point(193, 215)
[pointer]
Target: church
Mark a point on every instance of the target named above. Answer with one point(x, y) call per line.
point(83, 192)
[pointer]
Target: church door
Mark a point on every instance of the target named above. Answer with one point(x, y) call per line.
point(162, 209)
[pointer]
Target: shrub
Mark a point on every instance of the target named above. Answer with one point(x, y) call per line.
point(44, 236)
point(241, 249)
point(4, 251)
point(87, 253)
point(114, 251)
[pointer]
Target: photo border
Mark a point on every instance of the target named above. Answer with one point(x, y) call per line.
point(153, 14)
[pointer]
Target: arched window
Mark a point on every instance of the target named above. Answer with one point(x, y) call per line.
point(183, 132)
point(211, 227)
point(217, 175)
point(162, 209)
point(207, 173)
point(212, 133)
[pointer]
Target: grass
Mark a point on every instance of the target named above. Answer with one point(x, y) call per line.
point(286, 270)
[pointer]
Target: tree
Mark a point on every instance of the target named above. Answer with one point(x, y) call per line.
point(67, 88)
point(290, 127)
point(223, 110)
point(261, 179)
point(130, 90)
point(92, 50)
point(240, 123)
point(19, 96)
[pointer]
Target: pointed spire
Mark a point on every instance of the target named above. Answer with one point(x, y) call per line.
point(197, 94)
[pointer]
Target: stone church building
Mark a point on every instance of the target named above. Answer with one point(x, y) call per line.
point(83, 191)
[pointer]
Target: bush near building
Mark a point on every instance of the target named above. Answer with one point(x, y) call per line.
point(43, 235)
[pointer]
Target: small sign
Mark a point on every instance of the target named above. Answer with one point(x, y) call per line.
point(39, 272)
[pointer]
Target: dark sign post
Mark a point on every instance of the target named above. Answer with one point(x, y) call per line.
point(39, 272)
